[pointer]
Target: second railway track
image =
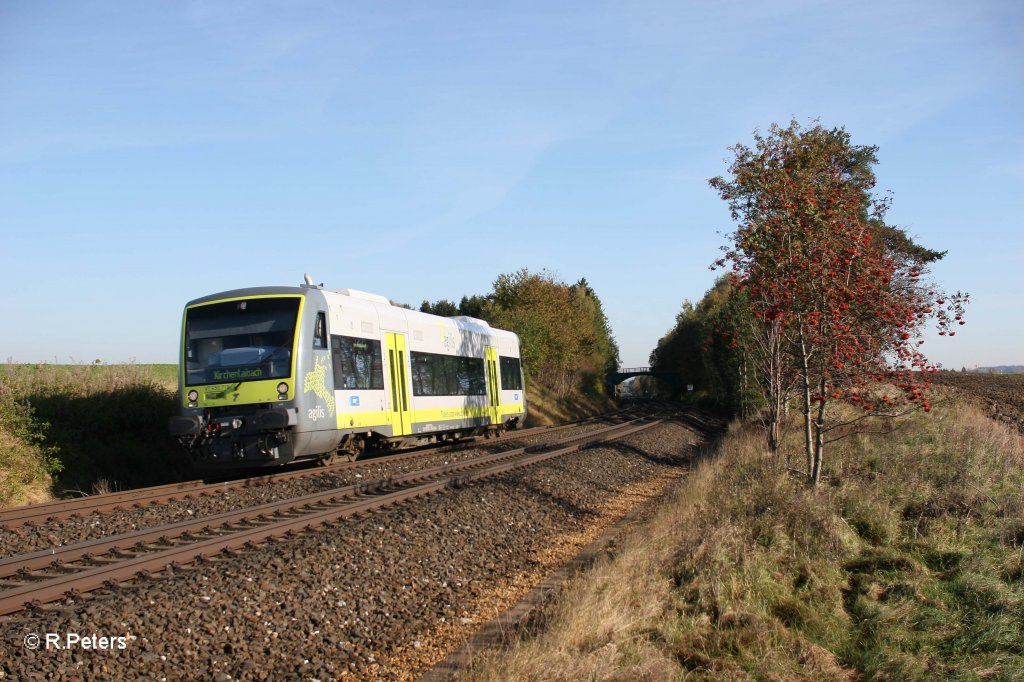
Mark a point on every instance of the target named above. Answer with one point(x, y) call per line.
point(49, 575)
point(38, 514)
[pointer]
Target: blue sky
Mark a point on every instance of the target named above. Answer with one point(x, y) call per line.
point(154, 152)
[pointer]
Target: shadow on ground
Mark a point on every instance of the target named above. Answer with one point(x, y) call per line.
point(115, 439)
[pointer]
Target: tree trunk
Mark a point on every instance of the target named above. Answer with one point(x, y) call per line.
point(808, 425)
point(742, 397)
point(776, 390)
point(809, 439)
point(819, 436)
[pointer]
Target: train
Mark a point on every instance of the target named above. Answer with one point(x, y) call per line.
point(272, 375)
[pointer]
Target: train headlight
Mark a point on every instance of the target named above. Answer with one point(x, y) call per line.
point(282, 390)
point(193, 395)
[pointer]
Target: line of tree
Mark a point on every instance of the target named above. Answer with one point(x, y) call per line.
point(566, 341)
point(705, 349)
point(823, 300)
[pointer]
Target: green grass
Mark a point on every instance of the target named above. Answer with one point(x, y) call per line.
point(904, 564)
point(70, 429)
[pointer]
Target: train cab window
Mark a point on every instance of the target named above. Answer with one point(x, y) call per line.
point(357, 364)
point(240, 340)
point(320, 331)
point(511, 374)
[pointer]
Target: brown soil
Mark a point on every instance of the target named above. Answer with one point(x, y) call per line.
point(1002, 395)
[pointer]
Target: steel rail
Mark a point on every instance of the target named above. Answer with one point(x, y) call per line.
point(410, 486)
point(93, 504)
point(57, 556)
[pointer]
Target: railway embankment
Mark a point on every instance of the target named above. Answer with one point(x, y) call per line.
point(72, 430)
point(905, 563)
point(384, 595)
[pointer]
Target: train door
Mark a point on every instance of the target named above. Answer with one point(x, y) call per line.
point(401, 416)
point(493, 387)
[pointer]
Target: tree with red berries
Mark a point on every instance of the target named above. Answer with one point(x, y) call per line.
point(839, 298)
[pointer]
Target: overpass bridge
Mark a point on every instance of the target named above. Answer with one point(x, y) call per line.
point(623, 373)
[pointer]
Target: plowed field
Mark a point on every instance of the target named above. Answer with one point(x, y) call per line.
point(1002, 394)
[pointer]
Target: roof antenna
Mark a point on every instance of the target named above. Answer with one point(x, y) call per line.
point(309, 280)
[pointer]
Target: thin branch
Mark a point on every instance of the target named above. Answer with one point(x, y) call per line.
point(880, 432)
point(869, 415)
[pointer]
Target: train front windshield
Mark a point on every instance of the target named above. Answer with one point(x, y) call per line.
point(234, 341)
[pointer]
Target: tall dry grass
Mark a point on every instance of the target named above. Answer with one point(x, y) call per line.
point(905, 564)
point(66, 428)
point(546, 406)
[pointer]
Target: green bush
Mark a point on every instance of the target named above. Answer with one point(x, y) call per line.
point(73, 426)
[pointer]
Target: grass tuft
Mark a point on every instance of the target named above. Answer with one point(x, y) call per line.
point(906, 565)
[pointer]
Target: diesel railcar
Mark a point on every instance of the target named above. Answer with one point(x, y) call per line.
point(270, 375)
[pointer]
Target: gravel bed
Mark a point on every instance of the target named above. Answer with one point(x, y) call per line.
point(362, 599)
point(69, 531)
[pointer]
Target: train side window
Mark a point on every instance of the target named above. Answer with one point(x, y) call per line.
point(447, 375)
point(511, 374)
point(357, 363)
point(320, 331)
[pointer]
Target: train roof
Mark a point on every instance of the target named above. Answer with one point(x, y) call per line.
point(464, 322)
point(300, 290)
point(248, 292)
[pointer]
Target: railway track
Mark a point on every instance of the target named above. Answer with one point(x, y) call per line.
point(38, 514)
point(49, 575)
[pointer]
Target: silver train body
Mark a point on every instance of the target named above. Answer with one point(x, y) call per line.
point(274, 374)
